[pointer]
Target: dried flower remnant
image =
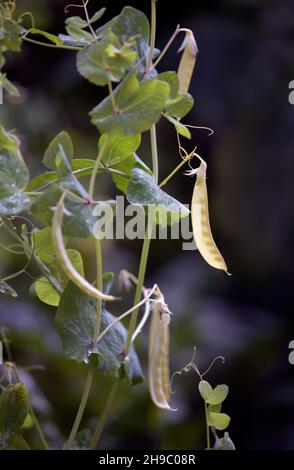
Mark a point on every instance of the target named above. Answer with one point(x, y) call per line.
point(188, 61)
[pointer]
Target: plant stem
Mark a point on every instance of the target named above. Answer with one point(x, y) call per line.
point(104, 417)
point(95, 169)
point(89, 379)
point(165, 49)
point(45, 44)
point(154, 152)
point(207, 426)
point(152, 34)
point(186, 159)
point(99, 287)
point(146, 245)
point(141, 277)
point(39, 429)
point(110, 89)
point(147, 239)
point(88, 19)
point(82, 406)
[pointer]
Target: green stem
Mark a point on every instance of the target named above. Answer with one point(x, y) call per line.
point(88, 20)
point(141, 277)
point(99, 287)
point(82, 406)
point(152, 35)
point(45, 44)
point(104, 417)
point(112, 97)
point(207, 426)
point(95, 169)
point(39, 429)
point(146, 245)
point(165, 49)
point(186, 159)
point(154, 152)
point(89, 378)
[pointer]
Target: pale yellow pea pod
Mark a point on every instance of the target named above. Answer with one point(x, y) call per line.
point(188, 61)
point(200, 220)
point(64, 260)
point(158, 360)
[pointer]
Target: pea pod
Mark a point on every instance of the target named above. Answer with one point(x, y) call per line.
point(64, 260)
point(200, 220)
point(158, 361)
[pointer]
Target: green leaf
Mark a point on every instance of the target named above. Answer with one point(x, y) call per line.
point(8, 141)
point(14, 407)
point(51, 37)
point(218, 421)
point(79, 223)
point(41, 180)
point(8, 86)
point(105, 61)
point(28, 422)
point(52, 151)
point(44, 289)
point(6, 289)
point(46, 292)
point(205, 389)
point(139, 105)
point(126, 166)
point(11, 32)
point(97, 15)
point(66, 176)
point(118, 147)
point(79, 34)
point(14, 204)
point(225, 443)
point(180, 128)
point(215, 408)
point(130, 22)
point(80, 167)
point(143, 190)
point(75, 320)
point(172, 79)
point(43, 245)
point(17, 442)
point(107, 282)
point(76, 21)
point(177, 104)
point(14, 177)
point(70, 41)
point(218, 395)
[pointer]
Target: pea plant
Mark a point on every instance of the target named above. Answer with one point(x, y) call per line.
point(121, 56)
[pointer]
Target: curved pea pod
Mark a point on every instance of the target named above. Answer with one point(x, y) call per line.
point(188, 61)
point(64, 260)
point(158, 361)
point(200, 221)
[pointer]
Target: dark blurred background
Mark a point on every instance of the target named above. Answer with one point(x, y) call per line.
point(241, 90)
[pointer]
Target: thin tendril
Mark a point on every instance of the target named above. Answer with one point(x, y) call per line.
point(218, 358)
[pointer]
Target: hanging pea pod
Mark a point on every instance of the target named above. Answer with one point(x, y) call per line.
point(64, 260)
point(188, 61)
point(200, 220)
point(158, 361)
